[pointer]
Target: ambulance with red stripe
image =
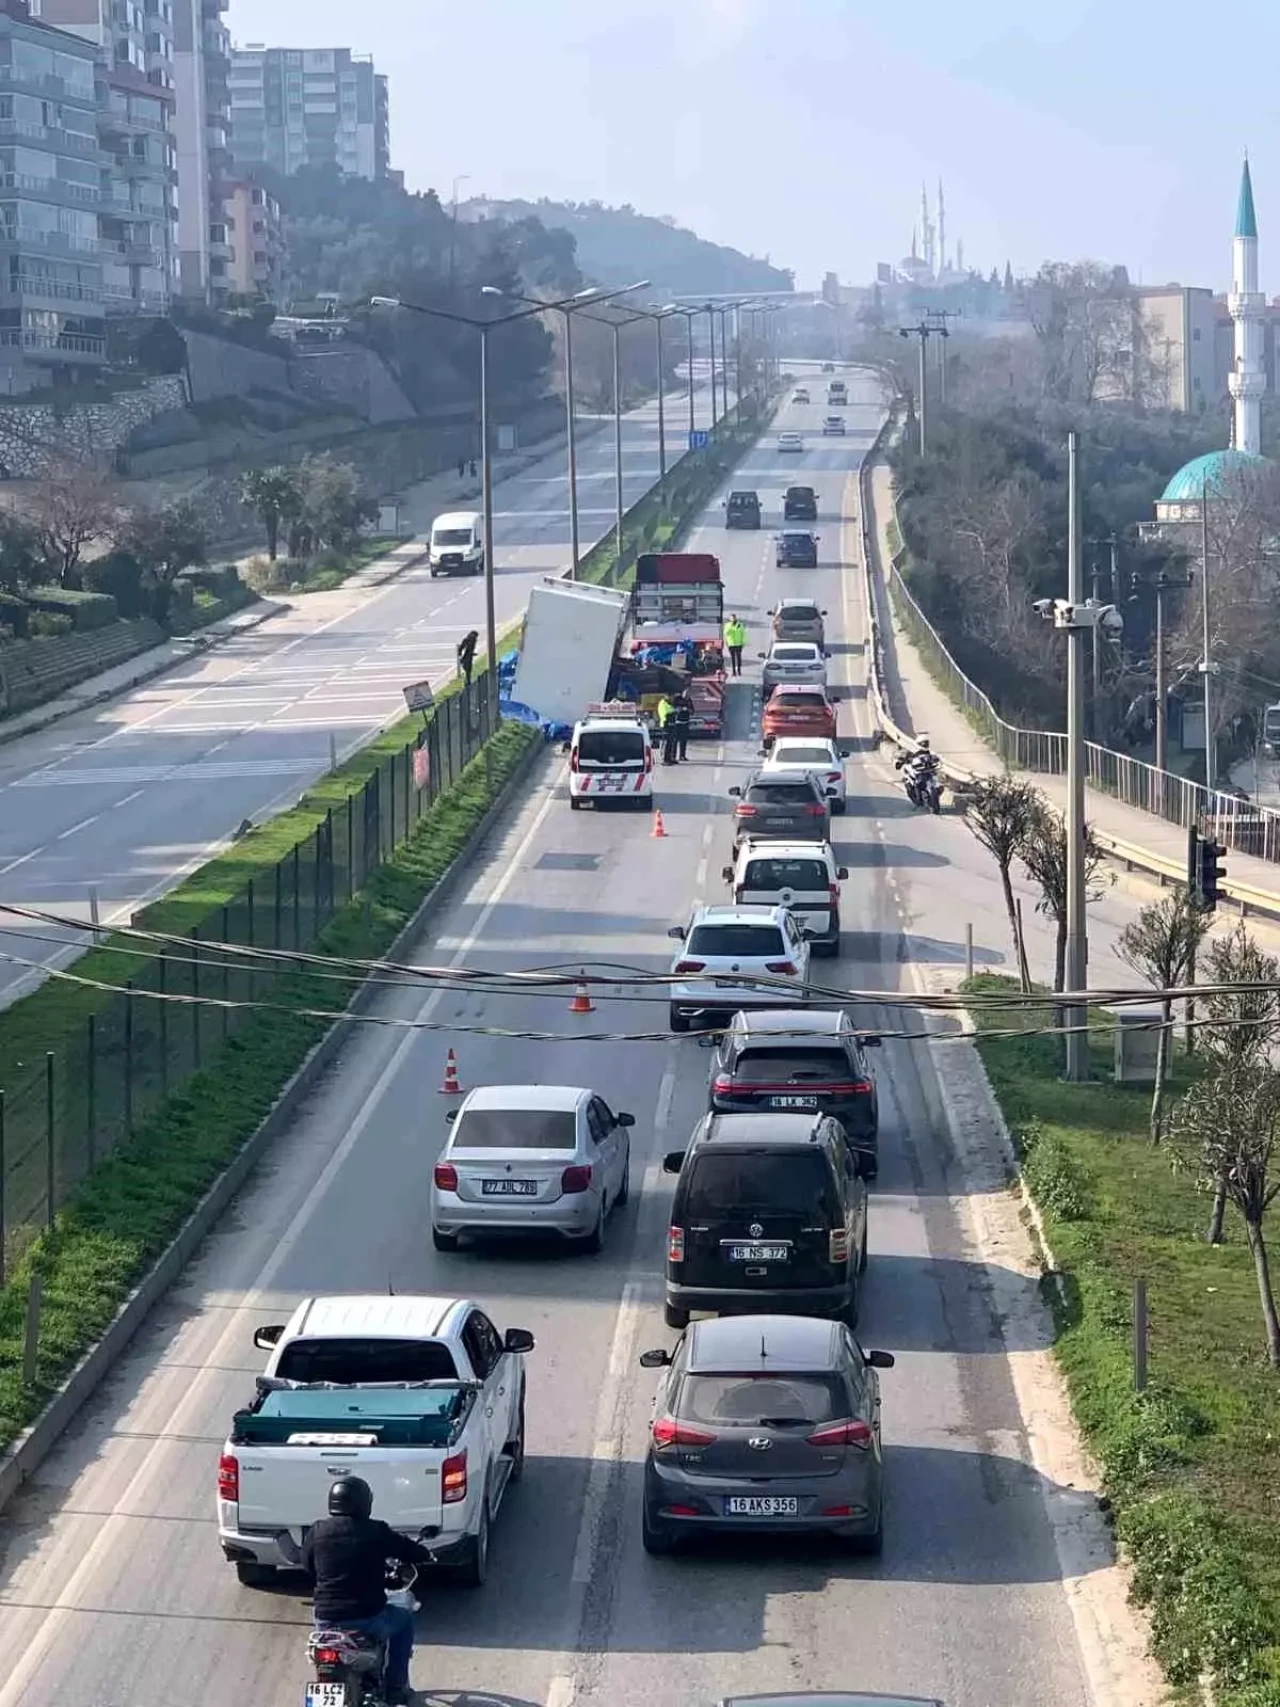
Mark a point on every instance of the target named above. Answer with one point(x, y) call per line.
point(611, 757)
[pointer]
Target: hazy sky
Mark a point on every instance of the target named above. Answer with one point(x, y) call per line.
point(802, 128)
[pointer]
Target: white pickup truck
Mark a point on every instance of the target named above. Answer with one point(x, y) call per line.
point(422, 1397)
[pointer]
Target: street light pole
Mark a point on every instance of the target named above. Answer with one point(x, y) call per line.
point(662, 413)
point(1076, 1016)
point(690, 315)
point(617, 449)
point(923, 332)
point(711, 330)
point(1206, 663)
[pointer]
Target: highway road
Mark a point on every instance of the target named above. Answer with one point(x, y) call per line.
point(113, 1592)
point(128, 797)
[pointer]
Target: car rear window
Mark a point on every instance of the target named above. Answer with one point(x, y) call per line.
point(747, 1401)
point(770, 874)
point(790, 696)
point(736, 941)
point(515, 1129)
point(821, 1066)
point(803, 755)
point(781, 793)
point(743, 501)
point(800, 654)
point(611, 747)
point(786, 1182)
point(359, 1362)
point(798, 613)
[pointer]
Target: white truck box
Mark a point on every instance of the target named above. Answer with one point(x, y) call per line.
point(571, 636)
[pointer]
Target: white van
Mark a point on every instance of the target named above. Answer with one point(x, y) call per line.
point(457, 544)
point(611, 757)
point(801, 876)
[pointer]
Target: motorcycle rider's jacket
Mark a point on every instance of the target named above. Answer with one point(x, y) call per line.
point(346, 1558)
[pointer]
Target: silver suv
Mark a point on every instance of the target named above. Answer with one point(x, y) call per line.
point(799, 619)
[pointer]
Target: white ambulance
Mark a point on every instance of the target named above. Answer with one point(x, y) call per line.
point(611, 756)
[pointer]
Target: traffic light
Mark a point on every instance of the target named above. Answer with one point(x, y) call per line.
point(1212, 870)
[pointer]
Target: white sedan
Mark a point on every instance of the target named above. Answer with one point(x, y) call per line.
point(790, 442)
point(818, 756)
point(725, 947)
point(792, 661)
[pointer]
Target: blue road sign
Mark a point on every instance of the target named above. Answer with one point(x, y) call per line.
point(699, 439)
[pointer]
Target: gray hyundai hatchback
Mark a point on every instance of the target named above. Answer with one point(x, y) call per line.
point(768, 1425)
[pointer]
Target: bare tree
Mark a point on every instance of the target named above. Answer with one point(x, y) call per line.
point(1043, 851)
point(999, 813)
point(1239, 1030)
point(1160, 945)
point(74, 506)
point(1225, 1130)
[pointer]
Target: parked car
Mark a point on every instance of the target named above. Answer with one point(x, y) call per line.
point(774, 1059)
point(742, 510)
point(799, 504)
point(801, 875)
point(798, 710)
point(796, 548)
point(765, 1424)
point(531, 1159)
point(769, 1214)
point(799, 619)
point(787, 803)
point(723, 949)
point(799, 752)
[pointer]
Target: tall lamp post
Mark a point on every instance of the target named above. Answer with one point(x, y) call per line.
point(616, 326)
point(595, 294)
point(724, 310)
point(483, 325)
point(658, 315)
point(709, 310)
point(690, 315)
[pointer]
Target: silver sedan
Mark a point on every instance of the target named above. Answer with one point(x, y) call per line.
point(793, 661)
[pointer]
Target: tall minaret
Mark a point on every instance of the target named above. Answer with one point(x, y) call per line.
point(1246, 306)
point(926, 228)
point(942, 232)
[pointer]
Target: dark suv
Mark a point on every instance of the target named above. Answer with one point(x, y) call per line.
point(769, 1218)
point(790, 805)
point(799, 504)
point(796, 548)
point(811, 1063)
point(742, 510)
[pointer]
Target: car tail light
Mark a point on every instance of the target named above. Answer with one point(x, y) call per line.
point(446, 1176)
point(815, 811)
point(228, 1478)
point(838, 1245)
point(722, 1084)
point(453, 1478)
point(742, 811)
point(668, 1432)
point(783, 966)
point(837, 1511)
point(675, 1244)
point(648, 760)
point(846, 1433)
point(690, 965)
point(573, 760)
point(576, 1179)
point(681, 1511)
point(328, 1657)
point(833, 893)
point(833, 776)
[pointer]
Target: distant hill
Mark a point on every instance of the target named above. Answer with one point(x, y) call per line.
point(616, 245)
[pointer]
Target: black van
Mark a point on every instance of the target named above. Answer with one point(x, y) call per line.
point(769, 1218)
point(742, 510)
point(799, 504)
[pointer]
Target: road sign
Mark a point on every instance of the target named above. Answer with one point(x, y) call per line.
point(699, 439)
point(419, 697)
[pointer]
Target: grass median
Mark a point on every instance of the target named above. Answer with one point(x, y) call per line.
point(1192, 1466)
point(115, 1227)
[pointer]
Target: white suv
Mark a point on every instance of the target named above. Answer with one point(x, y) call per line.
point(611, 757)
point(723, 949)
point(803, 877)
point(815, 754)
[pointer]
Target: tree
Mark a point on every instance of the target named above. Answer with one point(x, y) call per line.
point(22, 560)
point(999, 812)
point(1044, 853)
point(333, 506)
point(1160, 945)
point(1240, 1031)
point(1225, 1131)
point(74, 506)
point(275, 495)
point(167, 540)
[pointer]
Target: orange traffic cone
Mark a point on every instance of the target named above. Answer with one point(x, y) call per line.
point(451, 1087)
point(659, 828)
point(582, 1003)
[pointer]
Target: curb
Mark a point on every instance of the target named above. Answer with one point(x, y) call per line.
point(37, 1441)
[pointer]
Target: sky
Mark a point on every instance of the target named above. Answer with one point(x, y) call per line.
point(802, 129)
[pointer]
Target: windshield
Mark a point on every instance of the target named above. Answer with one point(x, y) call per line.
point(745, 1401)
point(361, 1361)
point(798, 613)
point(782, 1182)
point(797, 654)
point(786, 754)
point(798, 701)
point(611, 747)
point(515, 1129)
point(451, 536)
point(736, 942)
point(781, 793)
point(773, 874)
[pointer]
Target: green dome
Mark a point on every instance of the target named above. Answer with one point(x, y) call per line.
point(1188, 484)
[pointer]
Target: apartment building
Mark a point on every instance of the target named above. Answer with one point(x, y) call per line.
point(201, 61)
point(251, 215)
point(1181, 340)
point(51, 173)
point(296, 107)
point(137, 221)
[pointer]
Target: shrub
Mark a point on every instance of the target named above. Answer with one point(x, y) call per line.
point(1054, 1179)
point(84, 610)
point(119, 576)
point(48, 625)
point(15, 613)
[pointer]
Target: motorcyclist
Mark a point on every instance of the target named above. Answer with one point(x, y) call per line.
point(346, 1555)
point(919, 768)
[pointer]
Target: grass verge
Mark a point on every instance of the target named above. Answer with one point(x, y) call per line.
point(1192, 1467)
point(116, 1226)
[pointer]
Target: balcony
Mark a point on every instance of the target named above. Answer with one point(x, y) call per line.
point(59, 190)
point(51, 136)
point(140, 250)
point(128, 124)
point(57, 345)
point(135, 302)
point(46, 83)
point(48, 242)
point(28, 287)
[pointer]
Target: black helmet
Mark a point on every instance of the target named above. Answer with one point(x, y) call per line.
point(350, 1496)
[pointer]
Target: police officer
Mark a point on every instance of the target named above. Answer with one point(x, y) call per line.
point(682, 717)
point(735, 638)
point(667, 729)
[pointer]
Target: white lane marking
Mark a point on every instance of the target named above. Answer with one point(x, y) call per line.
point(183, 1418)
point(606, 1449)
point(700, 877)
point(561, 1690)
point(22, 860)
point(76, 828)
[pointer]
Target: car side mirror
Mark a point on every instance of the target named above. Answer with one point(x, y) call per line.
point(677, 933)
point(736, 792)
point(673, 1161)
point(266, 1339)
point(451, 1115)
point(870, 1041)
point(824, 613)
point(624, 1120)
point(842, 873)
point(762, 654)
point(726, 871)
point(879, 1359)
point(708, 1040)
point(658, 1359)
point(517, 1339)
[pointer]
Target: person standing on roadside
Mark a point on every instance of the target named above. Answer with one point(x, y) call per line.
point(682, 718)
point(735, 638)
point(666, 729)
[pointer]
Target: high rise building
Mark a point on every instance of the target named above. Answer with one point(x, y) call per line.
point(201, 60)
point(252, 217)
point(51, 177)
point(137, 219)
point(296, 107)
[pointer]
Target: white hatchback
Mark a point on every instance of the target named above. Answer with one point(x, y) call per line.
point(723, 950)
point(815, 754)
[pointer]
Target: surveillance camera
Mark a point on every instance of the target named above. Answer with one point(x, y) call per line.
point(1044, 608)
point(1112, 621)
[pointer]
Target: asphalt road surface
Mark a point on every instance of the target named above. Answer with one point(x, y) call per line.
point(113, 1591)
point(129, 797)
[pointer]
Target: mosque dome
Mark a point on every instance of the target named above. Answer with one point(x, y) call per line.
point(1213, 471)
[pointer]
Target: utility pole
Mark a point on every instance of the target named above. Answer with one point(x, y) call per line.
point(1206, 663)
point(924, 331)
point(1077, 957)
point(937, 318)
point(1164, 583)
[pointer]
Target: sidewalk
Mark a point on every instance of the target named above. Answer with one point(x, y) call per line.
point(920, 707)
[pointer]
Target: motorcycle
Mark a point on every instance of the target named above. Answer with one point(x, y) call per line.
point(349, 1664)
point(922, 787)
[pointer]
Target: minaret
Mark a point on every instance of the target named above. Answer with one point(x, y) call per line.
point(1246, 306)
point(926, 228)
point(942, 232)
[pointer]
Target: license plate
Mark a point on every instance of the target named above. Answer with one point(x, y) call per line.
point(761, 1505)
point(757, 1253)
point(728, 984)
point(326, 1695)
point(508, 1188)
point(793, 1102)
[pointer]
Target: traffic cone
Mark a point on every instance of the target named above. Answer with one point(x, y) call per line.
point(582, 1003)
point(659, 828)
point(451, 1087)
